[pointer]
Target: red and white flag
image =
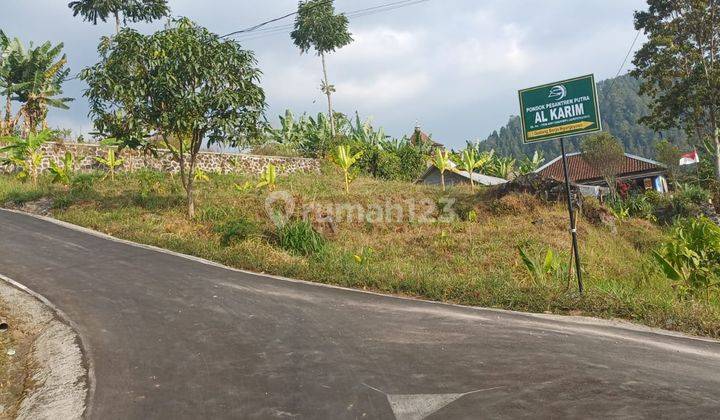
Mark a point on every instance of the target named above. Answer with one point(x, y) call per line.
point(689, 158)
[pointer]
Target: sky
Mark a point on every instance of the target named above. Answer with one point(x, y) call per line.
point(452, 66)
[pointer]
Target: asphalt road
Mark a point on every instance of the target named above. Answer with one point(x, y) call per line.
point(173, 338)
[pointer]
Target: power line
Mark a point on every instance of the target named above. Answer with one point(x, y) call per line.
point(637, 35)
point(260, 25)
point(350, 15)
point(257, 31)
point(261, 33)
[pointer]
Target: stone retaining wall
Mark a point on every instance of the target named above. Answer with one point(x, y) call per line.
point(206, 161)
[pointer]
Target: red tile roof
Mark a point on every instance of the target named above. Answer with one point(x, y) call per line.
point(580, 171)
point(424, 139)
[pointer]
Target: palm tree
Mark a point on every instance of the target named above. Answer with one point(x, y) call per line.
point(122, 11)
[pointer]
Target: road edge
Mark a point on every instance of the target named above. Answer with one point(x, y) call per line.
point(54, 336)
point(577, 320)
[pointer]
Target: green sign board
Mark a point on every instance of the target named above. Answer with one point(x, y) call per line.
point(560, 109)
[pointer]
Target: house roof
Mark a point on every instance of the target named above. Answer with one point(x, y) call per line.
point(476, 177)
point(581, 171)
point(419, 137)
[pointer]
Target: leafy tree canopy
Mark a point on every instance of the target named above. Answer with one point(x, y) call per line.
point(318, 27)
point(678, 66)
point(125, 10)
point(183, 84)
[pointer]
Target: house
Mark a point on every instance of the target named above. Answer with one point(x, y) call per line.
point(418, 137)
point(637, 172)
point(453, 176)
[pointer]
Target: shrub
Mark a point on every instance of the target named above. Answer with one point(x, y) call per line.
point(235, 230)
point(149, 182)
point(83, 184)
point(639, 205)
point(549, 267)
point(299, 237)
point(692, 257)
point(273, 148)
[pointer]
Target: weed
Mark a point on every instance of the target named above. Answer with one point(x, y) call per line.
point(299, 237)
point(235, 231)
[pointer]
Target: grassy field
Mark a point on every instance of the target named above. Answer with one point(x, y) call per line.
point(473, 260)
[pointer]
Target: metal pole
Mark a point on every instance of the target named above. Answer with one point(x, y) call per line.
point(573, 232)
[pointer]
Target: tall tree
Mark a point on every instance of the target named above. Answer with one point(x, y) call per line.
point(41, 74)
point(33, 77)
point(123, 11)
point(605, 154)
point(6, 50)
point(680, 69)
point(184, 85)
point(318, 27)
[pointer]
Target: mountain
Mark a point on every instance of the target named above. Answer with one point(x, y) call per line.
point(620, 109)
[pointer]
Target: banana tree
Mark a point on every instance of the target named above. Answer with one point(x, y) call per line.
point(470, 160)
point(26, 154)
point(502, 167)
point(531, 164)
point(38, 74)
point(345, 159)
point(63, 173)
point(268, 177)
point(442, 162)
point(110, 162)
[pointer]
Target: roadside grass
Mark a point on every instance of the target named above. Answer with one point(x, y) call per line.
point(468, 262)
point(15, 366)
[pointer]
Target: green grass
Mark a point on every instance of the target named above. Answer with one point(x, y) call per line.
point(466, 262)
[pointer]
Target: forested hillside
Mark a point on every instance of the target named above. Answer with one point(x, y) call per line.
point(620, 108)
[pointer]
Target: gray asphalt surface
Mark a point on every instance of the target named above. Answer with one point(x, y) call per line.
point(172, 338)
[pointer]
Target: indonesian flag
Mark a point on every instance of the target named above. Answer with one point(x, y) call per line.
point(689, 158)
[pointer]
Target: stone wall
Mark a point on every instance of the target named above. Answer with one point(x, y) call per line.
point(207, 161)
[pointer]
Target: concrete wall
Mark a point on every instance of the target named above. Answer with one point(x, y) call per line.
point(206, 161)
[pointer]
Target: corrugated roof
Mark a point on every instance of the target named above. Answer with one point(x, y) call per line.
point(477, 177)
point(581, 171)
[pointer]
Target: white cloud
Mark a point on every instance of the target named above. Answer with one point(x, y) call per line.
point(384, 89)
point(455, 66)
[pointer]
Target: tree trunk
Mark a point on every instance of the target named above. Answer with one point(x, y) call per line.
point(328, 93)
point(8, 125)
point(117, 23)
point(717, 152)
point(442, 179)
point(190, 198)
point(196, 142)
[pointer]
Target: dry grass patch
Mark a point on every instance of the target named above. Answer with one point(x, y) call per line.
point(472, 260)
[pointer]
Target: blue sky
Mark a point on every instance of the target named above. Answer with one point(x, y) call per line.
point(454, 66)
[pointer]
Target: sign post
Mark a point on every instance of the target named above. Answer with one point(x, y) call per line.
point(556, 110)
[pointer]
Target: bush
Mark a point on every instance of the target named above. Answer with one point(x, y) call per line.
point(402, 163)
point(149, 183)
point(639, 205)
point(692, 257)
point(235, 231)
point(299, 237)
point(83, 184)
